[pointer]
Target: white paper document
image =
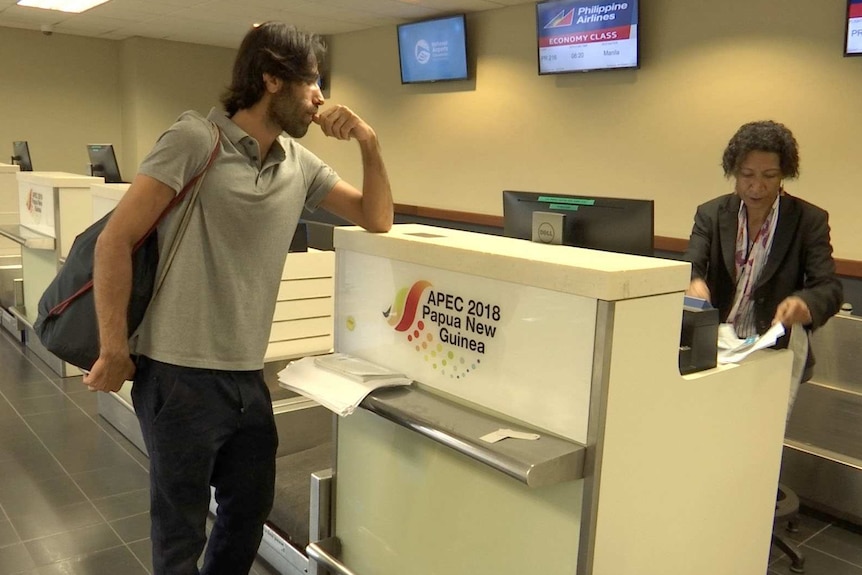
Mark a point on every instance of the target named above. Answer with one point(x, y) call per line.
point(340, 393)
point(731, 349)
point(354, 368)
point(504, 433)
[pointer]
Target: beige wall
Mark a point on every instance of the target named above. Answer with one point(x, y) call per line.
point(161, 80)
point(58, 93)
point(61, 92)
point(657, 132)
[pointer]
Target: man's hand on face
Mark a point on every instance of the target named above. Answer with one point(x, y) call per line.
point(342, 123)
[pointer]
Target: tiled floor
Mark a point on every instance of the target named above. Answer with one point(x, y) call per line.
point(73, 491)
point(829, 548)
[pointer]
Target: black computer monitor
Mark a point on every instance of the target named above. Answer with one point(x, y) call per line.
point(21, 156)
point(103, 162)
point(609, 224)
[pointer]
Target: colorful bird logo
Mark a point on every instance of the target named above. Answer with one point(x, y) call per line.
point(402, 313)
point(402, 317)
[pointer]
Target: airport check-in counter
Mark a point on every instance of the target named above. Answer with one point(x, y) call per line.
point(10, 251)
point(636, 468)
point(53, 208)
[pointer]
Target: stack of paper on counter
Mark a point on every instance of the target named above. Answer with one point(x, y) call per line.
point(337, 381)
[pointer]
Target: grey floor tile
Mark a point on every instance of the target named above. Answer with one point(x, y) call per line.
point(80, 430)
point(52, 426)
point(13, 429)
point(838, 542)
point(116, 561)
point(808, 527)
point(34, 466)
point(39, 496)
point(7, 534)
point(56, 520)
point(87, 401)
point(124, 505)
point(89, 456)
point(72, 384)
point(27, 446)
point(19, 370)
point(123, 478)
point(818, 563)
point(7, 412)
point(45, 404)
point(15, 558)
point(123, 442)
point(16, 392)
point(134, 528)
point(143, 550)
point(71, 544)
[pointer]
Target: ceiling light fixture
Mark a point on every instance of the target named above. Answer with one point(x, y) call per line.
point(74, 6)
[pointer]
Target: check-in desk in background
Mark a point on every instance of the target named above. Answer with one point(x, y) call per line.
point(53, 208)
point(10, 251)
point(637, 469)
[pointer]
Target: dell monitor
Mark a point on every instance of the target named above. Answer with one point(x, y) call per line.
point(103, 162)
point(21, 156)
point(608, 224)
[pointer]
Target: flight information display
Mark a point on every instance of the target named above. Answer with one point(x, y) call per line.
point(581, 35)
point(854, 27)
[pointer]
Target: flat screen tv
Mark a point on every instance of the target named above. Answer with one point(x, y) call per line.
point(103, 162)
point(21, 156)
point(609, 224)
point(584, 35)
point(853, 32)
point(433, 50)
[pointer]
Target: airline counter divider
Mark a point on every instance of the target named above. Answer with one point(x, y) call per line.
point(53, 208)
point(636, 469)
point(10, 250)
point(9, 208)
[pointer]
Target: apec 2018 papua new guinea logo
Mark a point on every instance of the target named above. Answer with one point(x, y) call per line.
point(34, 205)
point(451, 331)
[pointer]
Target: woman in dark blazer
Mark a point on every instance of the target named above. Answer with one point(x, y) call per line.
point(759, 254)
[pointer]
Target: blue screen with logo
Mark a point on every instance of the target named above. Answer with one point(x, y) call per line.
point(433, 50)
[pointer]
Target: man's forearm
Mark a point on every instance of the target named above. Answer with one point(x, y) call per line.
point(377, 204)
point(112, 286)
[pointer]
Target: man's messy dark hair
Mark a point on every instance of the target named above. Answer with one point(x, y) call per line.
point(271, 48)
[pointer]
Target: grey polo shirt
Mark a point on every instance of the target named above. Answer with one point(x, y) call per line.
point(214, 309)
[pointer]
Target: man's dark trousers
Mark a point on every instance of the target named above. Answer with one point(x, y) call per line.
point(206, 427)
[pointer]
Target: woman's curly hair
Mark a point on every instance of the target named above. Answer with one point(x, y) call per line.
point(764, 136)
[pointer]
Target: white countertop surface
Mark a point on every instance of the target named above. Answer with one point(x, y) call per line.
point(113, 191)
point(59, 179)
point(589, 273)
point(8, 168)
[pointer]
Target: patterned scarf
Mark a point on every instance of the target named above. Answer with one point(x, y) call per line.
point(750, 257)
